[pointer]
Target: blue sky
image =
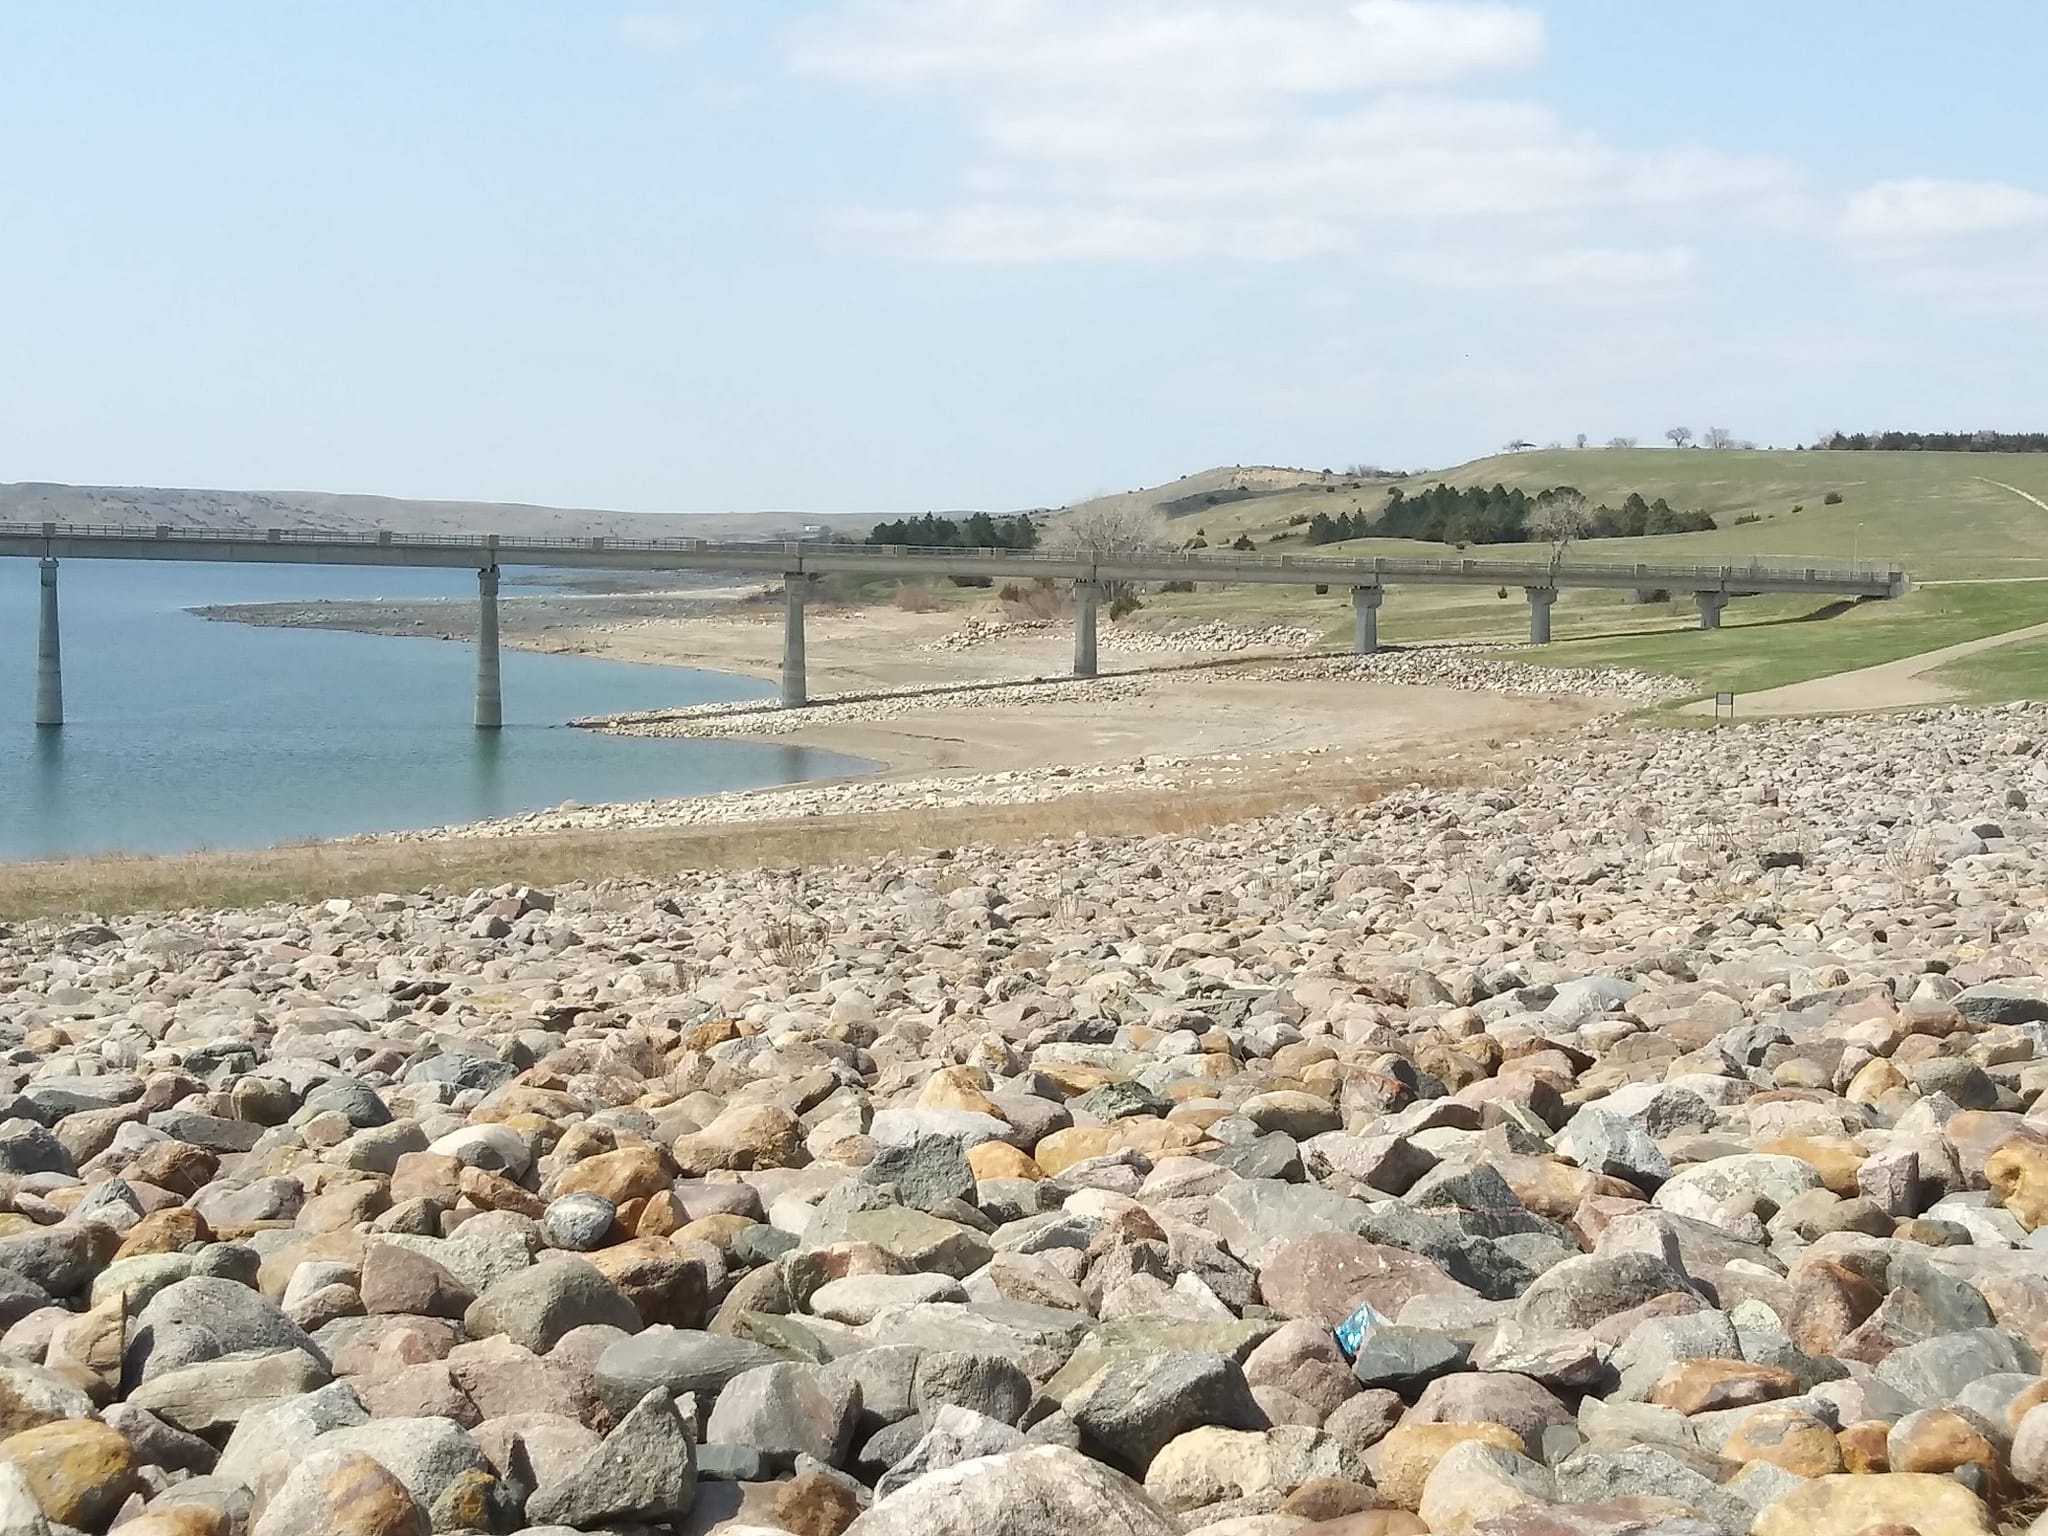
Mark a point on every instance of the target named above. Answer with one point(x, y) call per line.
point(905, 254)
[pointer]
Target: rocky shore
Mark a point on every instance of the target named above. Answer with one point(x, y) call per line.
point(1468, 670)
point(1653, 1143)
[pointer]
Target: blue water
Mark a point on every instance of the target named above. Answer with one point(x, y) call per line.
point(181, 733)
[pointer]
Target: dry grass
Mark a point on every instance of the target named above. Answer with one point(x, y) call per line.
point(108, 885)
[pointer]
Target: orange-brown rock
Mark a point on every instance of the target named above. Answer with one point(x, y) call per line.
point(1787, 1437)
point(630, 1173)
point(1000, 1160)
point(1863, 1446)
point(1706, 1386)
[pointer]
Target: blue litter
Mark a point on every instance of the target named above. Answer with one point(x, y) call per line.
point(1352, 1331)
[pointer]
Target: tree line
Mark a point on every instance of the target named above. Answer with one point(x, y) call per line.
point(980, 531)
point(1936, 442)
point(1473, 514)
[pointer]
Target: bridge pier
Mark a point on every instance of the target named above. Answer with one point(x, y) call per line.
point(795, 686)
point(49, 656)
point(1365, 620)
point(1086, 595)
point(1711, 606)
point(1541, 600)
point(490, 698)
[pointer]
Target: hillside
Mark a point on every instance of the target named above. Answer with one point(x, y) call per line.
point(1943, 515)
point(38, 502)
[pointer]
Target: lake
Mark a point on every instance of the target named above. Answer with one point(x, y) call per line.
point(182, 734)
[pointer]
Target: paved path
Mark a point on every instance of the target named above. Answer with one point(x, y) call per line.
point(1899, 684)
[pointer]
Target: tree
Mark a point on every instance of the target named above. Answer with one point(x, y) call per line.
point(1679, 436)
point(1719, 437)
point(1560, 517)
point(1108, 530)
point(1518, 445)
point(1579, 441)
point(1621, 442)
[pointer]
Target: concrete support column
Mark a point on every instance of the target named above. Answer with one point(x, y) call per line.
point(1711, 606)
point(1365, 619)
point(795, 686)
point(490, 698)
point(1541, 600)
point(1086, 595)
point(49, 655)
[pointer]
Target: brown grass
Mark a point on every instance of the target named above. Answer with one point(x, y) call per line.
point(107, 885)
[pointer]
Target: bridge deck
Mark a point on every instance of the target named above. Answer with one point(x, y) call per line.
point(61, 541)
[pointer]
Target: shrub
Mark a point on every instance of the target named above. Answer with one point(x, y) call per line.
point(1243, 542)
point(972, 581)
point(1011, 593)
point(1500, 591)
point(1122, 606)
point(912, 597)
point(1297, 520)
point(1177, 586)
point(1747, 517)
point(1798, 507)
point(1833, 498)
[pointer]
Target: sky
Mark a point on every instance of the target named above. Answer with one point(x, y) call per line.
point(898, 255)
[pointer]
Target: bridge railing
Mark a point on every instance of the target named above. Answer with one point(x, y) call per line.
point(1538, 572)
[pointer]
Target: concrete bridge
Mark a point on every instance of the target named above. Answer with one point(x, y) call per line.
point(798, 563)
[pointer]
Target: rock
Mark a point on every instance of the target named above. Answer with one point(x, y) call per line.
point(1404, 1460)
point(1211, 1465)
point(814, 1504)
point(1406, 1360)
point(1785, 1436)
point(1128, 1412)
point(1036, 1491)
point(925, 1171)
point(79, 1470)
point(950, 1435)
point(1474, 1482)
point(578, 1222)
point(1580, 1292)
point(397, 1280)
point(203, 1318)
point(1606, 1143)
point(645, 1469)
point(786, 1412)
point(1323, 1277)
point(427, 1454)
point(989, 1384)
point(212, 1396)
point(1596, 1475)
point(676, 1361)
point(1851, 1506)
point(1936, 1371)
point(537, 1306)
point(341, 1493)
point(30, 1395)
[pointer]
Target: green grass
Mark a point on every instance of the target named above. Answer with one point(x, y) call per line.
point(1934, 513)
point(1748, 655)
point(2016, 671)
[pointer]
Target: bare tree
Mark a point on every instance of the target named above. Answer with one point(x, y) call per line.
point(1108, 530)
point(1579, 441)
point(1561, 518)
point(1719, 437)
point(1679, 436)
point(1621, 442)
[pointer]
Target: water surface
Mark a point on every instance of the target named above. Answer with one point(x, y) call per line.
point(182, 733)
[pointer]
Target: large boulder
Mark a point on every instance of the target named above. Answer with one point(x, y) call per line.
point(1044, 1490)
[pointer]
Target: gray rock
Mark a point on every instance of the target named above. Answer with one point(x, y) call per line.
point(269, 1437)
point(201, 1319)
point(1043, 1490)
point(1594, 1476)
point(1603, 1142)
point(645, 1469)
point(951, 1436)
point(578, 1222)
point(925, 1170)
point(27, 1147)
point(1934, 1373)
point(1132, 1409)
point(2002, 1003)
point(425, 1454)
point(991, 1385)
point(535, 1307)
point(1406, 1360)
point(786, 1411)
point(676, 1361)
point(1580, 1292)
point(1260, 1214)
point(213, 1395)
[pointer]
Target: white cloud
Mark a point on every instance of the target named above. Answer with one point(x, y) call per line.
point(1193, 50)
point(659, 31)
point(1149, 130)
point(1898, 214)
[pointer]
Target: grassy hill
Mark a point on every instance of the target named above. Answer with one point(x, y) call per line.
point(253, 511)
point(1945, 516)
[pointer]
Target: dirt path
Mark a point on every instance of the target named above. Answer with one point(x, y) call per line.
point(1899, 684)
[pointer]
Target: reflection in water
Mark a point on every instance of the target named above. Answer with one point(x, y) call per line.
point(46, 780)
point(487, 771)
